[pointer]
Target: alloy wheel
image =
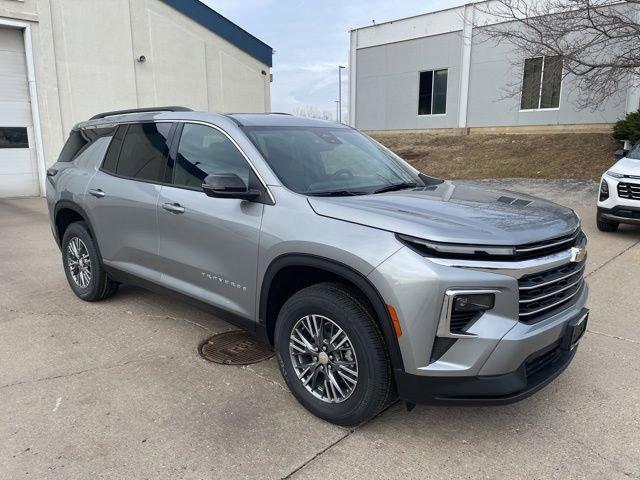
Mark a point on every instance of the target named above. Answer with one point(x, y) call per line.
point(323, 358)
point(78, 262)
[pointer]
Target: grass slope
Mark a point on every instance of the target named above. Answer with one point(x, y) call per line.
point(572, 155)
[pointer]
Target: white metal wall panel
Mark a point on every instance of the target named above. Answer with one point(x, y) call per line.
point(18, 166)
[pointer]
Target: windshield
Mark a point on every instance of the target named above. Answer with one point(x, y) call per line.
point(331, 161)
point(635, 152)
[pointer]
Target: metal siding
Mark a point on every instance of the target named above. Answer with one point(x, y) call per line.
point(387, 79)
point(490, 105)
point(386, 98)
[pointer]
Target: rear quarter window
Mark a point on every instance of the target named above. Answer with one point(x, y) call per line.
point(80, 140)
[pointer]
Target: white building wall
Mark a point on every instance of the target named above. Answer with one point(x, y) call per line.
point(383, 96)
point(387, 79)
point(85, 62)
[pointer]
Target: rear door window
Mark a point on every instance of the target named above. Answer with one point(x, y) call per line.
point(143, 155)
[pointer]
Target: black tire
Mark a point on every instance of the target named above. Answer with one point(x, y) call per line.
point(344, 308)
point(606, 225)
point(100, 286)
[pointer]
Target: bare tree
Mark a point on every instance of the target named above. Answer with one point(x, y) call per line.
point(312, 112)
point(598, 41)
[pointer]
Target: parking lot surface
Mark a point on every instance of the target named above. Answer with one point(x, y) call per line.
point(116, 389)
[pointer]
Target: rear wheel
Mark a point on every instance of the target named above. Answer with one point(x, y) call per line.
point(83, 265)
point(606, 225)
point(332, 355)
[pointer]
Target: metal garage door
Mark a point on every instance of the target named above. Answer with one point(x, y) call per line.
point(18, 161)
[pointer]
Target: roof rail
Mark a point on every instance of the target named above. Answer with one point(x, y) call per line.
point(256, 113)
point(141, 110)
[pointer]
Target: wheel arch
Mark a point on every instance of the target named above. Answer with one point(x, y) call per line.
point(67, 212)
point(269, 303)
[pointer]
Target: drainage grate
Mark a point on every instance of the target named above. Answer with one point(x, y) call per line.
point(234, 348)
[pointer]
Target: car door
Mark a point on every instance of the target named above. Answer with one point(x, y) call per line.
point(209, 246)
point(123, 196)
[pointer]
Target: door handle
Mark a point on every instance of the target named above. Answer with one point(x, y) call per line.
point(98, 193)
point(173, 207)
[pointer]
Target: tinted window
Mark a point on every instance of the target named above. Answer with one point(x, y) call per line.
point(14, 137)
point(203, 151)
point(440, 91)
point(551, 80)
point(426, 89)
point(321, 160)
point(432, 99)
point(111, 158)
point(531, 83)
point(79, 141)
point(144, 151)
point(541, 83)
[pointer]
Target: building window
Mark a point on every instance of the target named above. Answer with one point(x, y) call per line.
point(541, 83)
point(432, 98)
point(13, 137)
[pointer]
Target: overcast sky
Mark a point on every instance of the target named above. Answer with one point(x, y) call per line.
point(310, 39)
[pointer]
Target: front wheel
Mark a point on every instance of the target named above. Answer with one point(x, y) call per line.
point(331, 354)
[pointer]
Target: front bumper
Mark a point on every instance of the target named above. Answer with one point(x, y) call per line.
point(537, 371)
point(621, 214)
point(618, 209)
point(492, 365)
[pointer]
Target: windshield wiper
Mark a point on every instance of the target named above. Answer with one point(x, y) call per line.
point(337, 193)
point(396, 186)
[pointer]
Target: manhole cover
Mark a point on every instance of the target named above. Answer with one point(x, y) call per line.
point(234, 348)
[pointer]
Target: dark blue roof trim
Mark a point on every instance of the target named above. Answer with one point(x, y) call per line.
point(221, 26)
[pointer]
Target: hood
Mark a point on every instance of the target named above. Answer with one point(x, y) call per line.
point(627, 166)
point(455, 212)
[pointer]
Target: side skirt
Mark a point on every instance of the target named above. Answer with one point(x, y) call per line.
point(257, 330)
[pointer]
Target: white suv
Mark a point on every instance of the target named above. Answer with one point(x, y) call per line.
point(619, 197)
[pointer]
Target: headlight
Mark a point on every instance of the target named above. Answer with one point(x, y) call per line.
point(454, 249)
point(604, 190)
point(614, 174)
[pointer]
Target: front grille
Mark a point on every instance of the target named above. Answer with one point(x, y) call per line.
point(534, 365)
point(630, 191)
point(545, 292)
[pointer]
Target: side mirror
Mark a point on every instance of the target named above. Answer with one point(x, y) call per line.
point(228, 185)
point(620, 154)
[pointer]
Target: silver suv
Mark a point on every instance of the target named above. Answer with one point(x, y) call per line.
point(371, 280)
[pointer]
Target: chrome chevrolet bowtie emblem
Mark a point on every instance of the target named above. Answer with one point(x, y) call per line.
point(578, 254)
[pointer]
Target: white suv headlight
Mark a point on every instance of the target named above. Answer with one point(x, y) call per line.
point(614, 174)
